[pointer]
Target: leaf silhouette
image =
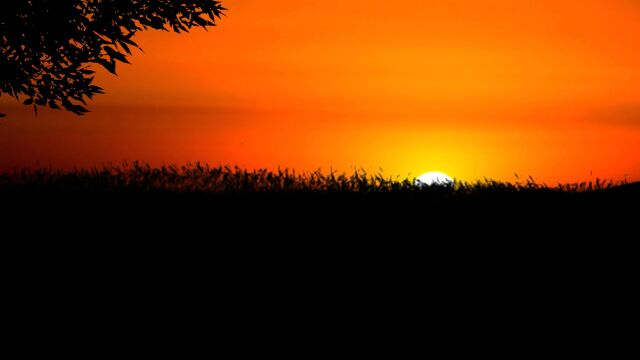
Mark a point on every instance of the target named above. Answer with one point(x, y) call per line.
point(48, 46)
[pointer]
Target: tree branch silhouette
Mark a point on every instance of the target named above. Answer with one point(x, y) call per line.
point(47, 47)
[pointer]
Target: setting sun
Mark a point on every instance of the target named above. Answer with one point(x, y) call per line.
point(434, 178)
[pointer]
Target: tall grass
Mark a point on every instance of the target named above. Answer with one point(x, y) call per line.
point(203, 178)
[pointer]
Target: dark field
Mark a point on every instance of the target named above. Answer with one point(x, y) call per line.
point(222, 196)
point(196, 224)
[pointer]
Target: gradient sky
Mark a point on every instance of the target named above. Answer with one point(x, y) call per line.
point(475, 89)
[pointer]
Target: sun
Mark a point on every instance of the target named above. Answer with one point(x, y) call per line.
point(433, 178)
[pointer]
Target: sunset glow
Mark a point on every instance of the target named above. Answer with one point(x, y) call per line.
point(474, 89)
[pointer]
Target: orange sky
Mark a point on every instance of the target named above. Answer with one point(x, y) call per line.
point(475, 89)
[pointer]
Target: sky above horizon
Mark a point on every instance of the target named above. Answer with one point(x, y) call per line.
point(475, 89)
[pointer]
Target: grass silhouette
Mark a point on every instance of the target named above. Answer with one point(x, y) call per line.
point(204, 179)
point(262, 202)
point(176, 214)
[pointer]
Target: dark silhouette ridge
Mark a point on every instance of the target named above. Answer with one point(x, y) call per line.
point(47, 46)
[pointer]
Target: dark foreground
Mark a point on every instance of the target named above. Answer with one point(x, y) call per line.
point(449, 236)
point(176, 252)
point(232, 203)
point(308, 228)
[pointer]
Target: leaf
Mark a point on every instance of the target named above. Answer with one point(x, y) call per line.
point(125, 47)
point(92, 90)
point(113, 54)
point(29, 101)
point(110, 66)
point(120, 57)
